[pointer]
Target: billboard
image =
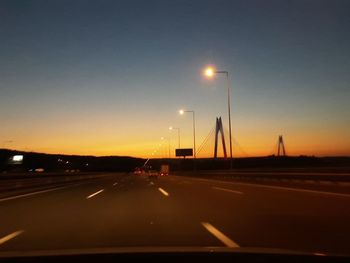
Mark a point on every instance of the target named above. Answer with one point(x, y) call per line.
point(184, 152)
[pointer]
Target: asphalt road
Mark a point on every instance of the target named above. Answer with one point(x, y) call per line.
point(132, 211)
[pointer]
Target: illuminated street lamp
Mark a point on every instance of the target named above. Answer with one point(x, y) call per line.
point(210, 72)
point(182, 112)
point(178, 133)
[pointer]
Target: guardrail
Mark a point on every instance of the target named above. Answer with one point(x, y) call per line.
point(275, 175)
point(10, 184)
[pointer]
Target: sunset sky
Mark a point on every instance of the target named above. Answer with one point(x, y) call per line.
point(108, 77)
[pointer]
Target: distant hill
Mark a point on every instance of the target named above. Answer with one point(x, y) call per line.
point(61, 162)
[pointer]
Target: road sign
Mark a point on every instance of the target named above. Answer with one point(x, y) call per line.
point(184, 152)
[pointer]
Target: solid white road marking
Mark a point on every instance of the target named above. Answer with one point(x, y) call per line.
point(10, 236)
point(298, 190)
point(34, 193)
point(163, 191)
point(98, 192)
point(227, 190)
point(219, 235)
point(304, 190)
point(115, 183)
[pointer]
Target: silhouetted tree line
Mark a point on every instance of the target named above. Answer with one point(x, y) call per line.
point(58, 162)
point(55, 162)
point(253, 162)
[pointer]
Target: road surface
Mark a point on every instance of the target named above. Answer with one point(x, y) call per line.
point(176, 211)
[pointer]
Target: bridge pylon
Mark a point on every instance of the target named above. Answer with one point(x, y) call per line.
point(281, 150)
point(219, 129)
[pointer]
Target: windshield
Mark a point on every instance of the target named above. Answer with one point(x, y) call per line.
point(175, 124)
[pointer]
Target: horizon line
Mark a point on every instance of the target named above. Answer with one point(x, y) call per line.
point(128, 156)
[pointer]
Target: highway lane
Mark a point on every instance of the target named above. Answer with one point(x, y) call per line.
point(264, 216)
point(128, 211)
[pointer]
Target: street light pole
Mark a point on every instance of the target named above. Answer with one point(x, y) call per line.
point(209, 72)
point(169, 147)
point(229, 111)
point(168, 138)
point(194, 134)
point(178, 134)
point(194, 129)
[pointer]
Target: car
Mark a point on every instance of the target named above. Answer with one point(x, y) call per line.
point(137, 172)
point(153, 173)
point(164, 170)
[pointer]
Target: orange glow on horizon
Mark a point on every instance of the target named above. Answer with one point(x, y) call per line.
point(100, 137)
point(247, 147)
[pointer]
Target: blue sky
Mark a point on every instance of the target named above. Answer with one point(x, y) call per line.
point(107, 77)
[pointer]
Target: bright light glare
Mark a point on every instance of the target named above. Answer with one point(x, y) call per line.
point(209, 72)
point(181, 112)
point(17, 158)
point(170, 128)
